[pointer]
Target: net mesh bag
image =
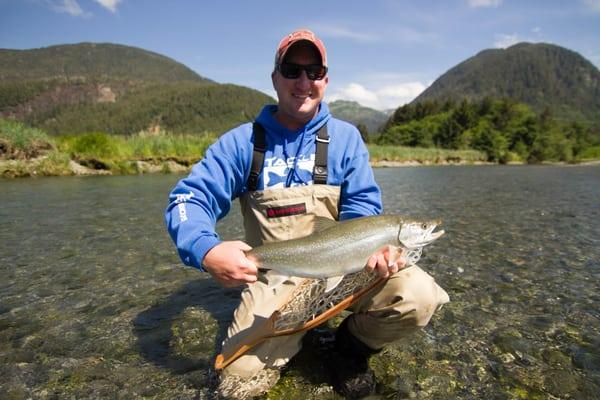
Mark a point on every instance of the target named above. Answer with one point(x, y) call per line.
point(309, 299)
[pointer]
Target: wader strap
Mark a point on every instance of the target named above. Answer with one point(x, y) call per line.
point(258, 155)
point(260, 147)
point(320, 170)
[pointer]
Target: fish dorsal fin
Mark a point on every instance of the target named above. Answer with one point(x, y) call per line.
point(332, 282)
point(322, 223)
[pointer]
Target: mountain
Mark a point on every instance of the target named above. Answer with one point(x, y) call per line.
point(544, 76)
point(357, 114)
point(91, 61)
point(103, 87)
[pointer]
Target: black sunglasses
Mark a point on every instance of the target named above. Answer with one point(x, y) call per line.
point(314, 72)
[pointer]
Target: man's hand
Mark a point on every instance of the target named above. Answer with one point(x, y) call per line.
point(387, 260)
point(228, 265)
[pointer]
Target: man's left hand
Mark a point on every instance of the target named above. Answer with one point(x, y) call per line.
point(387, 260)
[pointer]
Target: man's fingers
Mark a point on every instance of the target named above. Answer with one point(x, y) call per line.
point(401, 259)
point(248, 267)
point(242, 245)
point(371, 263)
point(382, 266)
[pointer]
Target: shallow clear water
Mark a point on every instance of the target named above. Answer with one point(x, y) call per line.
point(94, 302)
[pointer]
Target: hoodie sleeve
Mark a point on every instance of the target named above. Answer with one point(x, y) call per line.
point(205, 196)
point(360, 194)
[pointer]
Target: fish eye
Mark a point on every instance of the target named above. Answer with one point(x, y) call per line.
point(424, 226)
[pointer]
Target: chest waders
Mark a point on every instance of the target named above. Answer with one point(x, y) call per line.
point(405, 303)
point(282, 214)
point(275, 215)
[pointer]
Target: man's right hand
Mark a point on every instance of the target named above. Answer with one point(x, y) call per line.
point(228, 264)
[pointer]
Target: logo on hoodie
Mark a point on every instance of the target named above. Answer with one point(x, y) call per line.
point(276, 171)
point(180, 200)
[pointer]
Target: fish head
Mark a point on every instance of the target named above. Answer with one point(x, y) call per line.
point(416, 234)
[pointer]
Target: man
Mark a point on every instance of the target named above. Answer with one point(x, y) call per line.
point(296, 163)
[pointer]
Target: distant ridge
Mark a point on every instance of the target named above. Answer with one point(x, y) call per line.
point(104, 87)
point(356, 113)
point(92, 61)
point(544, 76)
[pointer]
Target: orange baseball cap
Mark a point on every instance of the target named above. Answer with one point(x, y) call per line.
point(295, 37)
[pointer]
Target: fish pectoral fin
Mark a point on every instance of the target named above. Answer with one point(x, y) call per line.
point(332, 282)
point(273, 279)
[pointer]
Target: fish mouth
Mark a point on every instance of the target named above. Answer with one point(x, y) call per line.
point(436, 235)
point(419, 234)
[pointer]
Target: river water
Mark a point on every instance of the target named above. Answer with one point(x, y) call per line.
point(94, 302)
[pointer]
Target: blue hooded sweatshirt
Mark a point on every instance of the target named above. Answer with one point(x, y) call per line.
point(205, 196)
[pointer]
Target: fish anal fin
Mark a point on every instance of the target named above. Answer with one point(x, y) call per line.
point(332, 282)
point(275, 279)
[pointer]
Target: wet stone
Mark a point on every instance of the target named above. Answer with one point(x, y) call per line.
point(512, 342)
point(586, 360)
point(562, 383)
point(507, 358)
point(556, 358)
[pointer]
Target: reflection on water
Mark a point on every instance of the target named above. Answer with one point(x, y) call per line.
point(95, 303)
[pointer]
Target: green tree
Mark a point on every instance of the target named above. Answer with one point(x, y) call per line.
point(364, 132)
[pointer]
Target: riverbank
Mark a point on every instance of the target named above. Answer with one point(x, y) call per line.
point(54, 165)
point(60, 164)
point(29, 152)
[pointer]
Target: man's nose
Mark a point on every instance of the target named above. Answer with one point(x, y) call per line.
point(303, 81)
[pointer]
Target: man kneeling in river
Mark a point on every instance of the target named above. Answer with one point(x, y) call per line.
point(295, 163)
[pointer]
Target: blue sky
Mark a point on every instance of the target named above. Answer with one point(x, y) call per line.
point(382, 53)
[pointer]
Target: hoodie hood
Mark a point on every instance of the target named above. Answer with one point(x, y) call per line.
point(267, 119)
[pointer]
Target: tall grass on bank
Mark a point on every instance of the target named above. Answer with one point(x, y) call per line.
point(402, 154)
point(143, 152)
point(18, 141)
point(143, 146)
point(26, 151)
point(590, 154)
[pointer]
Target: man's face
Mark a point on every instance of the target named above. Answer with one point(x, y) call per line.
point(299, 98)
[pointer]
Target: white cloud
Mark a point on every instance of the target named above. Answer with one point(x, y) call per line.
point(594, 5)
point(397, 33)
point(355, 92)
point(332, 31)
point(70, 7)
point(409, 35)
point(536, 30)
point(380, 98)
point(110, 5)
point(484, 3)
point(503, 41)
